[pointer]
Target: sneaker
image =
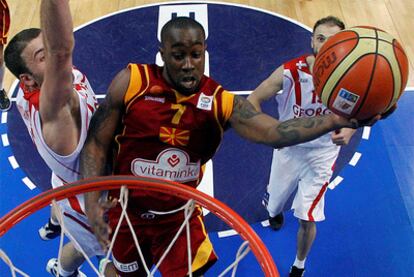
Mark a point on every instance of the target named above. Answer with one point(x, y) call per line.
point(276, 222)
point(296, 272)
point(52, 268)
point(49, 231)
point(5, 103)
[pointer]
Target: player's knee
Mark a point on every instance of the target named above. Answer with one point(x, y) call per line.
point(307, 225)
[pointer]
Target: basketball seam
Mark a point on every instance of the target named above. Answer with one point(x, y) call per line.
point(343, 75)
point(333, 45)
point(323, 87)
point(393, 82)
point(400, 71)
point(364, 98)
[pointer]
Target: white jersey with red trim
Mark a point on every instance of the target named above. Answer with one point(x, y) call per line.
point(298, 98)
point(65, 168)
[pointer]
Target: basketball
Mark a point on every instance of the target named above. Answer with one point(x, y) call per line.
point(360, 72)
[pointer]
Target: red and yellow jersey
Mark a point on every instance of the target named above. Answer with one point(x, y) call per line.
point(4, 21)
point(166, 134)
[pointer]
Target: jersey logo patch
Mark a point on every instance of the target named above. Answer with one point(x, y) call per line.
point(205, 102)
point(171, 164)
point(174, 136)
point(345, 101)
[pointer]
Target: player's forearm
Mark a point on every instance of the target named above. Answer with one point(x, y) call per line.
point(301, 130)
point(57, 28)
point(92, 159)
point(253, 99)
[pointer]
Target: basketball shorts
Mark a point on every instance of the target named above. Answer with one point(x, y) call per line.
point(298, 180)
point(154, 236)
point(4, 21)
point(80, 233)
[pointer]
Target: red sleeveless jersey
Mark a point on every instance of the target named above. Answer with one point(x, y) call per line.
point(166, 134)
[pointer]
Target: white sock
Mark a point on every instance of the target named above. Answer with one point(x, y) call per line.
point(53, 221)
point(298, 263)
point(64, 273)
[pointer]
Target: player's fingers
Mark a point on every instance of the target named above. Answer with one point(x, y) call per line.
point(108, 204)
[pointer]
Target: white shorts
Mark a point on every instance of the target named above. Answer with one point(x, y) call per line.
point(81, 234)
point(298, 180)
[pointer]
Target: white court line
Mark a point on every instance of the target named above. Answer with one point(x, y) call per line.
point(265, 223)
point(28, 183)
point(335, 182)
point(227, 233)
point(13, 162)
point(355, 158)
point(5, 140)
point(366, 132)
point(4, 117)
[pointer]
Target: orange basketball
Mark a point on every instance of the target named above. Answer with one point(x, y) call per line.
point(360, 72)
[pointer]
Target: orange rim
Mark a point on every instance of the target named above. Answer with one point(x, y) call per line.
point(221, 210)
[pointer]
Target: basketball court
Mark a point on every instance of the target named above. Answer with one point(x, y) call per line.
point(369, 230)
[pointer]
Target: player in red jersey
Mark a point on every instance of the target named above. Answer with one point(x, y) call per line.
point(5, 103)
point(167, 122)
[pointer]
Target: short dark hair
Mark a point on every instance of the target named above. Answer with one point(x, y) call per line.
point(332, 20)
point(180, 22)
point(13, 52)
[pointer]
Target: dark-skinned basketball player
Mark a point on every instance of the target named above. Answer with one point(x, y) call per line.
point(145, 107)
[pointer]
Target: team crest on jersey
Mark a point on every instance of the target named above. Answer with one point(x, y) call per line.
point(345, 101)
point(174, 136)
point(205, 102)
point(171, 164)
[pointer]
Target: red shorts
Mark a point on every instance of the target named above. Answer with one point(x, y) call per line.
point(154, 236)
point(4, 21)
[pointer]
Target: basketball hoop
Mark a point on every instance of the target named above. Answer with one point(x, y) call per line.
point(219, 209)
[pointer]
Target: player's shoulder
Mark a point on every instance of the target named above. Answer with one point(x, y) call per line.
point(211, 87)
point(298, 62)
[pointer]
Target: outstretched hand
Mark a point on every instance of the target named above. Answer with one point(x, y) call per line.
point(342, 136)
point(355, 123)
point(96, 217)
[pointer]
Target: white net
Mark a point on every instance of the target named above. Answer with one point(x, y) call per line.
point(187, 210)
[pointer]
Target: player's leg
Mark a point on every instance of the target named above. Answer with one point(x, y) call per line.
point(70, 261)
point(282, 185)
point(201, 249)
point(52, 228)
point(82, 239)
point(309, 201)
point(125, 256)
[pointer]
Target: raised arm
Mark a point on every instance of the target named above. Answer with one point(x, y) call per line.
point(268, 88)
point(261, 128)
point(93, 157)
point(102, 128)
point(59, 125)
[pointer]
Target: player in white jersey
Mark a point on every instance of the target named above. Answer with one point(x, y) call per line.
point(56, 103)
point(300, 174)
